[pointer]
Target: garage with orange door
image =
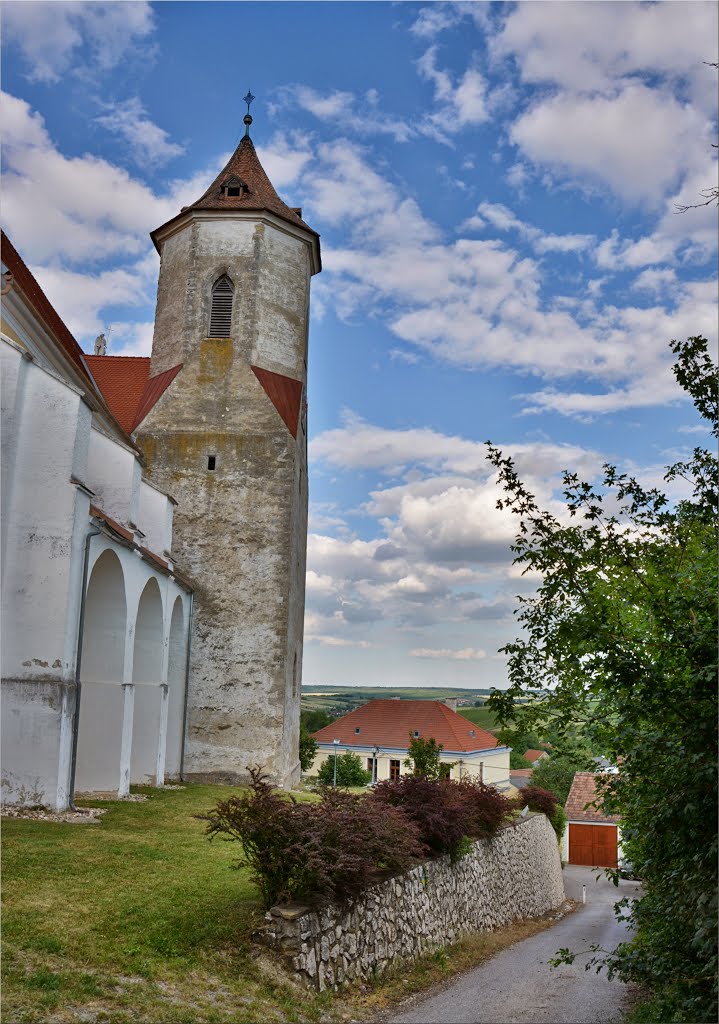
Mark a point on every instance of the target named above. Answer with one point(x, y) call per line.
point(592, 835)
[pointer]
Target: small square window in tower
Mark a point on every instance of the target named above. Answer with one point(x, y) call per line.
point(221, 309)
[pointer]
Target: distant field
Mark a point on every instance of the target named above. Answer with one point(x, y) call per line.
point(338, 700)
point(406, 692)
point(482, 717)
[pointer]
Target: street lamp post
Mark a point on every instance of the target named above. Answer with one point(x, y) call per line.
point(334, 777)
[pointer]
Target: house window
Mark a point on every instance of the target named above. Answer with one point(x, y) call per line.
point(221, 308)
point(393, 769)
point(471, 732)
point(416, 734)
point(357, 731)
point(370, 766)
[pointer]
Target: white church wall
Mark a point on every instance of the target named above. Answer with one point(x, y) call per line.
point(177, 656)
point(155, 518)
point(46, 434)
point(128, 706)
point(147, 672)
point(114, 475)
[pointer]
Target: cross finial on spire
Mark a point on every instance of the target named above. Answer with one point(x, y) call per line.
point(248, 117)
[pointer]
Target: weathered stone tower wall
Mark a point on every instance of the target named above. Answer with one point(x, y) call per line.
point(240, 528)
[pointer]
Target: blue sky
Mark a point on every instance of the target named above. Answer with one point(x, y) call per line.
point(496, 188)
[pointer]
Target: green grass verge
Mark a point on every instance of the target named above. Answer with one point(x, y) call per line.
point(140, 918)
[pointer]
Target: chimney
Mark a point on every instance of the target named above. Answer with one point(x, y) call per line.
point(451, 703)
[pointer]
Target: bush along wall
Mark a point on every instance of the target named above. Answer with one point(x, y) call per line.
point(514, 874)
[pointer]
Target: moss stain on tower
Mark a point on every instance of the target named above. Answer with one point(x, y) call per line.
point(228, 440)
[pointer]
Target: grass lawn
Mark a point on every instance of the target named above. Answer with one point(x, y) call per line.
point(136, 918)
point(139, 918)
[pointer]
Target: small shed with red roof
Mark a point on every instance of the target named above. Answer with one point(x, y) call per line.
point(381, 730)
point(592, 836)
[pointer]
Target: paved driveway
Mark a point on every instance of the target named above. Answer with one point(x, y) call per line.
point(518, 987)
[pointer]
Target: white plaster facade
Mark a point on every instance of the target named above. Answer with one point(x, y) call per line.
point(95, 618)
point(490, 766)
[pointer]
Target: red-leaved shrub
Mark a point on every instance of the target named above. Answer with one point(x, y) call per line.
point(446, 812)
point(537, 799)
point(433, 805)
point(487, 808)
point(321, 852)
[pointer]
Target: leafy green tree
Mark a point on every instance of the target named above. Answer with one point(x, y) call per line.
point(424, 758)
point(556, 773)
point(308, 749)
point(621, 637)
point(517, 760)
point(349, 771)
point(314, 720)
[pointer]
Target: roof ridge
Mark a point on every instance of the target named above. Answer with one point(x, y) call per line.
point(93, 355)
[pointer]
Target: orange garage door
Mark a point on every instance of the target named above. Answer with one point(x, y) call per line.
point(593, 845)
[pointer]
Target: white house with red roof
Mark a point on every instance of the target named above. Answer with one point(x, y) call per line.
point(381, 730)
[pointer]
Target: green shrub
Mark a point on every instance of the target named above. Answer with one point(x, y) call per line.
point(349, 771)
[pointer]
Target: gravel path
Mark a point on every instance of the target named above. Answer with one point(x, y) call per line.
point(518, 987)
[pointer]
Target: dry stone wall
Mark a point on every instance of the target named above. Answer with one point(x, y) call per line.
point(516, 874)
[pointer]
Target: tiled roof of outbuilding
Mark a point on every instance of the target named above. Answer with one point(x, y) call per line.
point(583, 792)
point(127, 386)
point(389, 723)
point(534, 755)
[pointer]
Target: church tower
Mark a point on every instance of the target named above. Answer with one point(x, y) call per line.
point(228, 440)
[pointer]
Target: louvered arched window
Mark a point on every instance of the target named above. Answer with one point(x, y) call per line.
point(221, 310)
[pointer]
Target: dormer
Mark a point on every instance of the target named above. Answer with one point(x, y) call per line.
point(234, 188)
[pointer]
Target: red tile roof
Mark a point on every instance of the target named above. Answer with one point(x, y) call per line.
point(583, 792)
point(389, 723)
point(534, 755)
point(285, 393)
point(127, 386)
point(154, 389)
point(41, 304)
point(524, 773)
point(258, 192)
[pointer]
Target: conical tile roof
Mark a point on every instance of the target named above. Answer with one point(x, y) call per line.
point(256, 190)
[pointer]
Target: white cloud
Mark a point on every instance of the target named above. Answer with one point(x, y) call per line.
point(444, 653)
point(477, 302)
point(442, 551)
point(638, 142)
point(657, 282)
point(347, 110)
point(52, 35)
point(591, 47)
point(503, 219)
point(460, 105)
point(435, 19)
point(80, 299)
point(148, 143)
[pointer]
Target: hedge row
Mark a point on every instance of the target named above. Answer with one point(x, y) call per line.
point(334, 849)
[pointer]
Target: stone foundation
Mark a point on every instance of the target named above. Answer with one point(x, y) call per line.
point(516, 874)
